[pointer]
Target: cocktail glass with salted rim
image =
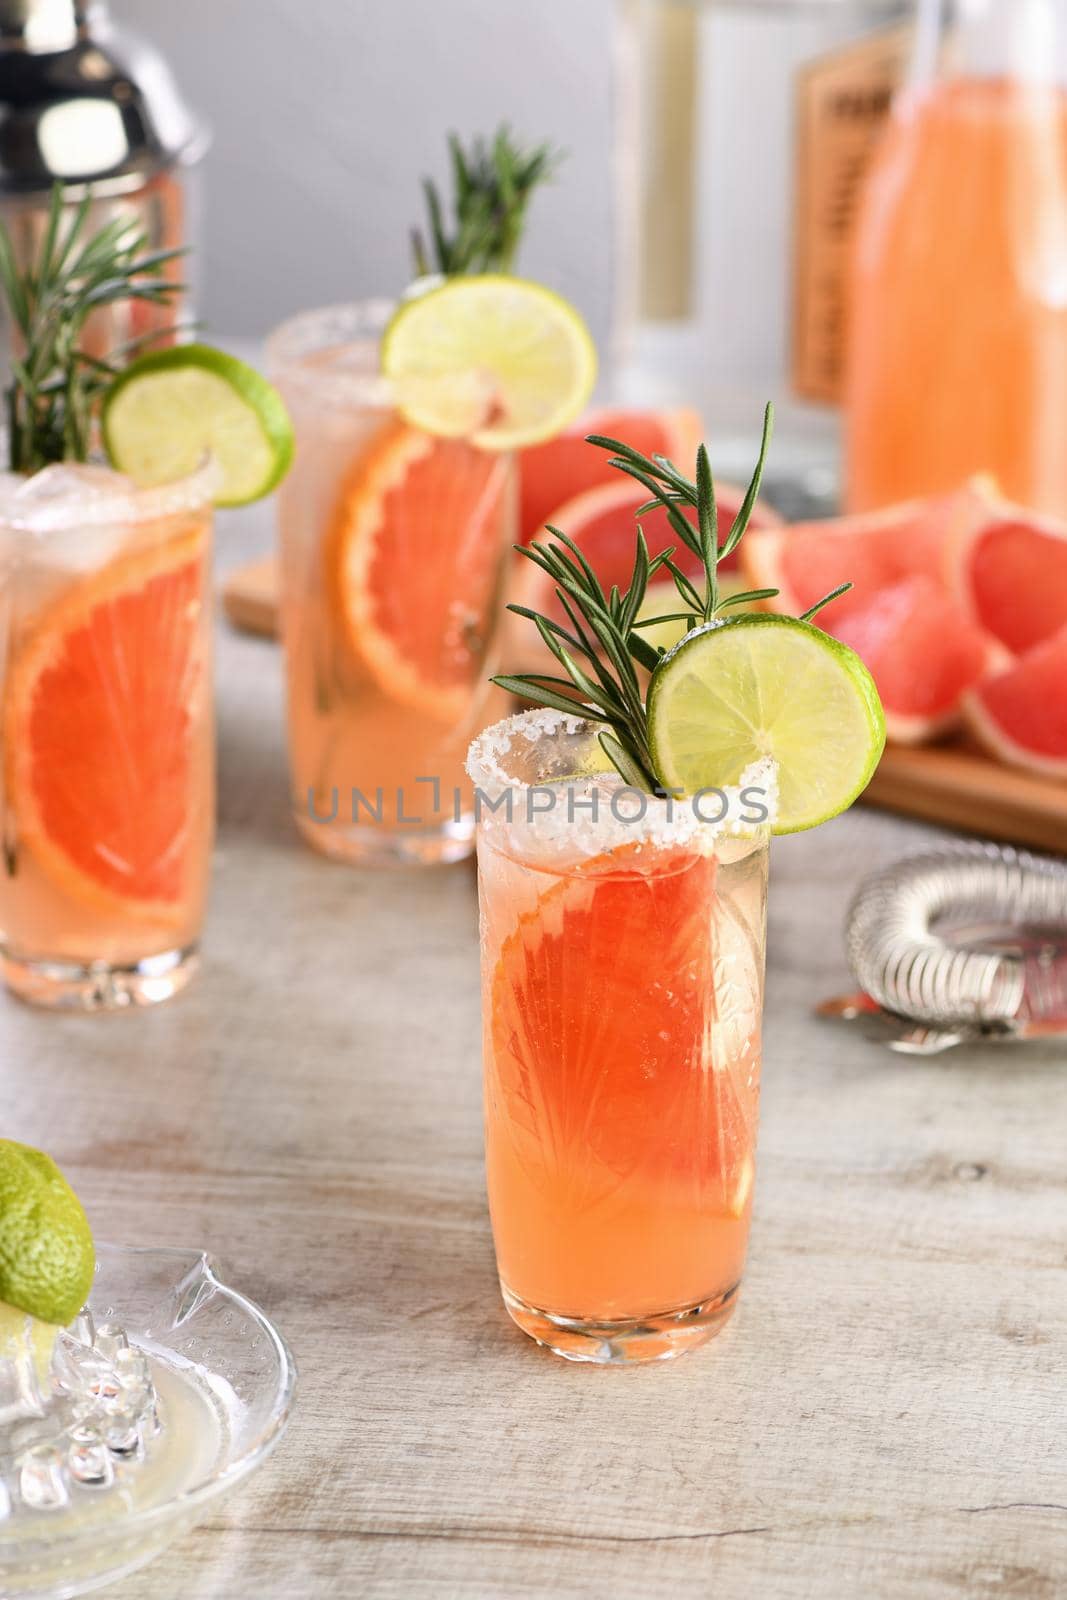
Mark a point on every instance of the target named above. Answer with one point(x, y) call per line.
point(397, 520)
point(622, 988)
point(622, 864)
point(107, 785)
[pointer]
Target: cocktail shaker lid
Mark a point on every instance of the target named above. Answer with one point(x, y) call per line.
point(85, 101)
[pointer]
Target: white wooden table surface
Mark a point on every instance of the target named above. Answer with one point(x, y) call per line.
point(885, 1415)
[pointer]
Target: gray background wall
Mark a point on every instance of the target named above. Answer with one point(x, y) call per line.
point(327, 112)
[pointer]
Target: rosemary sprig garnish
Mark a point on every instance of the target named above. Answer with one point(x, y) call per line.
point(492, 185)
point(602, 648)
point(51, 400)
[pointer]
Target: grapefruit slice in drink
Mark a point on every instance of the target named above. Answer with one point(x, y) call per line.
point(99, 726)
point(1008, 567)
point(923, 652)
point(552, 473)
point(1020, 715)
point(595, 1056)
point(414, 563)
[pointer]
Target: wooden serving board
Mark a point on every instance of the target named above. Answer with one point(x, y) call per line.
point(250, 597)
point(956, 785)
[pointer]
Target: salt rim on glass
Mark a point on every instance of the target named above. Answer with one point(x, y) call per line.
point(502, 763)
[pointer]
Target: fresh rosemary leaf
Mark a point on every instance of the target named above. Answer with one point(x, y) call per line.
point(748, 598)
point(55, 385)
point(667, 616)
point(544, 622)
point(645, 654)
point(706, 508)
point(583, 638)
point(740, 522)
point(686, 588)
point(670, 472)
point(528, 688)
point(835, 594)
point(590, 575)
point(608, 700)
point(638, 585)
point(623, 761)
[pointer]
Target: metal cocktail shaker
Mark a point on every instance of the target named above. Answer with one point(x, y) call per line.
point(89, 104)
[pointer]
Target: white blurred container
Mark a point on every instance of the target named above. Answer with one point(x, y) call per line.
point(744, 132)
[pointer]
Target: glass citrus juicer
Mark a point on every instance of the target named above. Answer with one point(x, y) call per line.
point(118, 1432)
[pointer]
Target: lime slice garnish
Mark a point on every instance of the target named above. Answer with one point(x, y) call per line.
point(499, 360)
point(172, 408)
point(736, 691)
point(46, 1248)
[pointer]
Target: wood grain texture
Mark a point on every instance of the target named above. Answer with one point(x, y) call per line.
point(961, 787)
point(883, 1418)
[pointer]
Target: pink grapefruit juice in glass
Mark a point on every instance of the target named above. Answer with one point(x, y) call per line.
point(623, 921)
point(394, 547)
point(622, 983)
point(108, 771)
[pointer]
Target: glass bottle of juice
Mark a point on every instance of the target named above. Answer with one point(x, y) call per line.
point(958, 348)
point(732, 251)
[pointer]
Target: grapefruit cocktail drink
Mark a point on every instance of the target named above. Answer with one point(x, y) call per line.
point(622, 865)
point(106, 728)
point(394, 545)
point(620, 1101)
point(397, 520)
point(107, 776)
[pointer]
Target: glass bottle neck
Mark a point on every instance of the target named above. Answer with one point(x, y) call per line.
point(1019, 39)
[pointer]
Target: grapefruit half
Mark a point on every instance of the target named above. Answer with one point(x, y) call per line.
point(100, 727)
point(1020, 715)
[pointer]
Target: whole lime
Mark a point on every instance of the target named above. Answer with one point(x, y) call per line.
point(46, 1246)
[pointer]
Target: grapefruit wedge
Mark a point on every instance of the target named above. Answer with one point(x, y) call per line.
point(1020, 715)
point(100, 728)
point(871, 551)
point(923, 652)
point(554, 472)
point(1008, 568)
point(414, 561)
